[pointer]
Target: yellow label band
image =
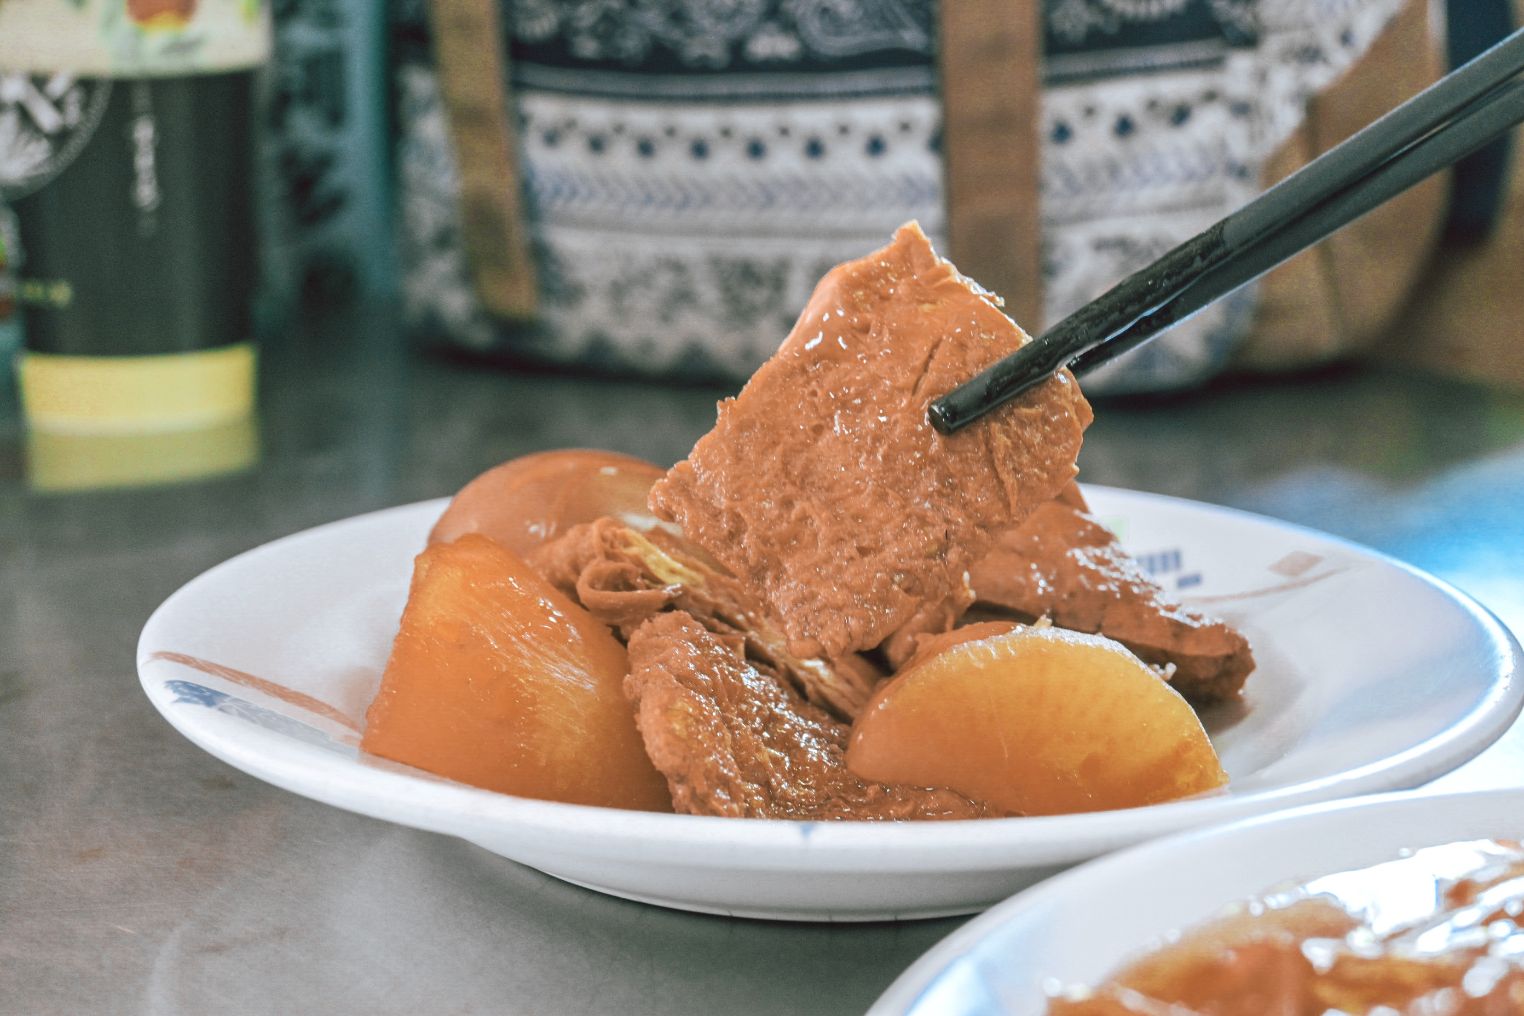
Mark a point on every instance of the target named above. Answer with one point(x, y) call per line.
point(135, 394)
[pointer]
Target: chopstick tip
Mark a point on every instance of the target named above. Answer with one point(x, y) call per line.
point(945, 419)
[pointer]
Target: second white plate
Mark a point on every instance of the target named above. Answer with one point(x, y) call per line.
point(1372, 676)
point(1078, 928)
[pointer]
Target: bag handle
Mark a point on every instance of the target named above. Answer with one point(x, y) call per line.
point(990, 66)
point(471, 54)
point(990, 74)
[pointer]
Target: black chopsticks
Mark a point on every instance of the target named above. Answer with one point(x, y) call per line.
point(1447, 121)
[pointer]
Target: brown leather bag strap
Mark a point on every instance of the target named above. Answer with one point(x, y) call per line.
point(471, 54)
point(990, 55)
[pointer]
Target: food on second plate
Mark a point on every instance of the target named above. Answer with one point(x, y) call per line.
point(1062, 564)
point(1437, 933)
point(823, 485)
point(498, 680)
point(535, 498)
point(826, 539)
point(1035, 721)
point(735, 740)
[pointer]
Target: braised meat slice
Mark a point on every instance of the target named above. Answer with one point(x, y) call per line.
point(1063, 564)
point(823, 486)
point(931, 619)
point(733, 739)
point(623, 576)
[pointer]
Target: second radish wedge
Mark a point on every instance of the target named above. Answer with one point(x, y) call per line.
point(1039, 721)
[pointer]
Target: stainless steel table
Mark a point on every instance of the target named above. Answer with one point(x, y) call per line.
point(139, 875)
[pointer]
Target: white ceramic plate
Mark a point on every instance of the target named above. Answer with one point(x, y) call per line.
point(1371, 677)
point(1084, 924)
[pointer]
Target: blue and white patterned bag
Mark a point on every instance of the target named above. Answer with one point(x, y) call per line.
point(691, 167)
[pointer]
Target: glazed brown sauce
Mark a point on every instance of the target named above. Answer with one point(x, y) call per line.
point(1439, 932)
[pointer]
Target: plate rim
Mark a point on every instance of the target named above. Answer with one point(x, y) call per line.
point(777, 844)
point(915, 981)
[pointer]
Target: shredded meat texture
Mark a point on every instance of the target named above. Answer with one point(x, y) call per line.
point(824, 487)
point(733, 739)
point(623, 577)
point(1063, 564)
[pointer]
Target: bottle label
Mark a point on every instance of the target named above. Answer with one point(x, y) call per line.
point(48, 121)
point(133, 38)
point(135, 227)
